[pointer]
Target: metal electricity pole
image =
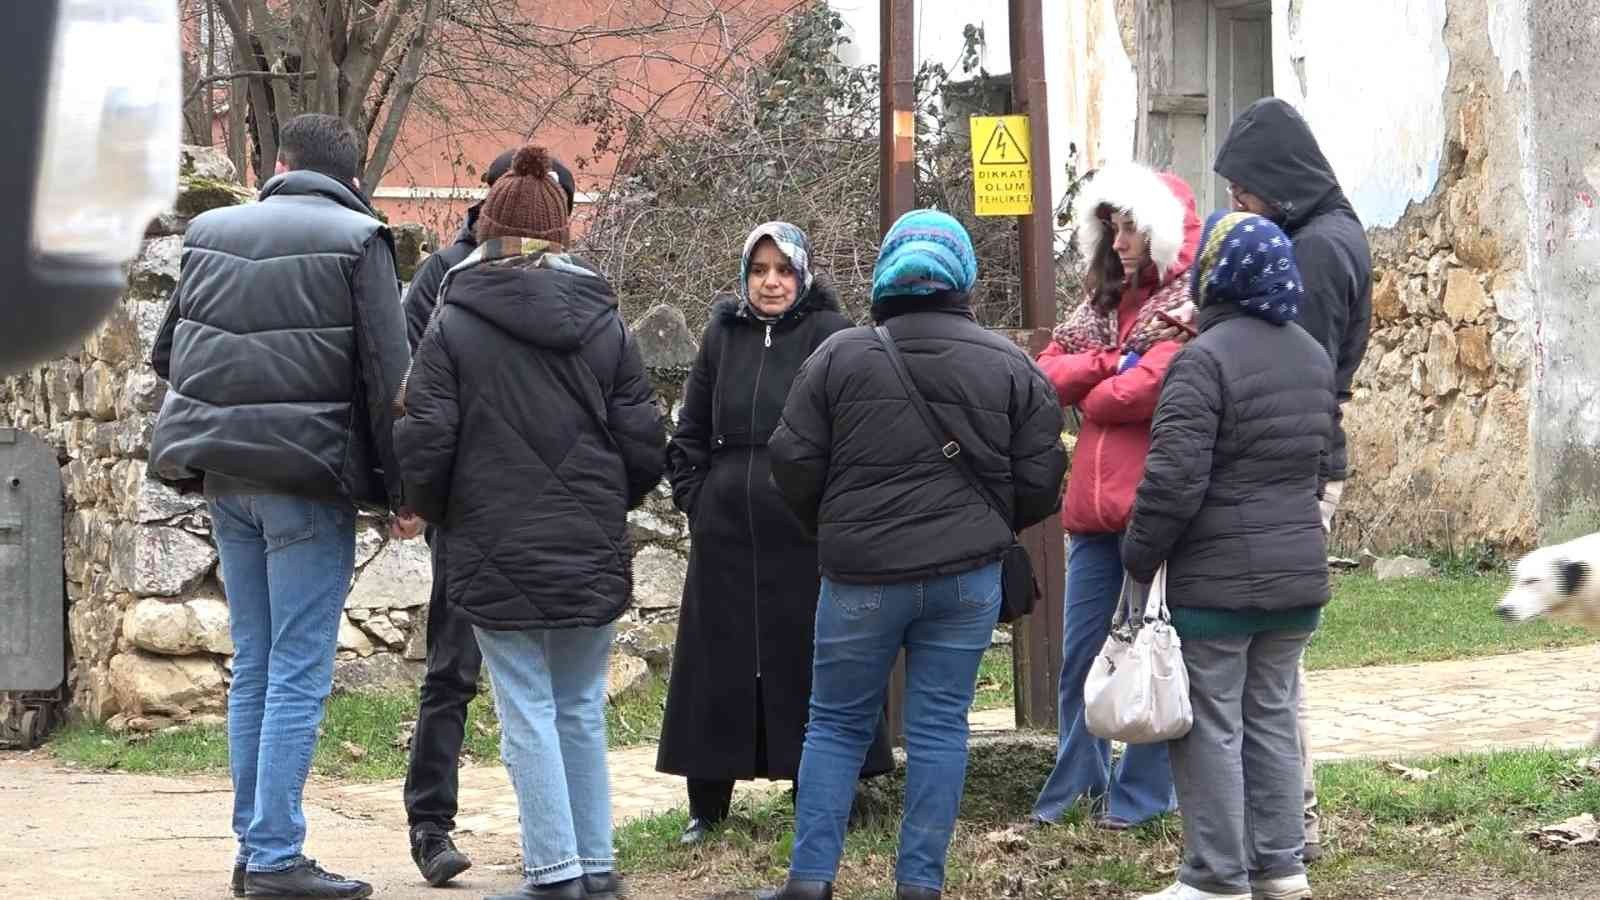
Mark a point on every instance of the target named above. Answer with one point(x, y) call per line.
point(1036, 640)
point(897, 110)
point(1038, 230)
point(897, 149)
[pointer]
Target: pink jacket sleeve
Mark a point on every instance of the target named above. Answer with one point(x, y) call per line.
point(1131, 397)
point(1075, 374)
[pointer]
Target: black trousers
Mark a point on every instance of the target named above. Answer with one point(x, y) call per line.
point(448, 686)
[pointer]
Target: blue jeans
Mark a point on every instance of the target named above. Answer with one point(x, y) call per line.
point(1141, 786)
point(286, 566)
point(550, 694)
point(944, 623)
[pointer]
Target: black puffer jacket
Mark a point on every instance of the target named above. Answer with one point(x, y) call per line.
point(1238, 456)
point(857, 465)
point(284, 345)
point(529, 432)
point(1271, 152)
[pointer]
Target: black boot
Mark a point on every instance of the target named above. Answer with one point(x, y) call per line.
point(605, 886)
point(436, 855)
point(571, 889)
point(305, 880)
point(799, 890)
point(237, 884)
point(912, 892)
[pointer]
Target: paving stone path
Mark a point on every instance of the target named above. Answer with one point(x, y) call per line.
point(1534, 698)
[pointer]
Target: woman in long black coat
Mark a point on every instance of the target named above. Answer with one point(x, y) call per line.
point(741, 671)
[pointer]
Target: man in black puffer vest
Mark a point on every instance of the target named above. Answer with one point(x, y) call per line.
point(284, 346)
point(451, 680)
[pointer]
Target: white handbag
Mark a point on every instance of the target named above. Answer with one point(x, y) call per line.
point(1138, 689)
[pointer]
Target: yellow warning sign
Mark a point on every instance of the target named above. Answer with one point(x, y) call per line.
point(1002, 177)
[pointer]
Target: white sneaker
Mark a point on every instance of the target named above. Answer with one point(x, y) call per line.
point(1181, 891)
point(1289, 887)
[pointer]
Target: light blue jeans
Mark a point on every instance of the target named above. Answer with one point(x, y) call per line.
point(1140, 788)
point(550, 694)
point(945, 624)
point(286, 565)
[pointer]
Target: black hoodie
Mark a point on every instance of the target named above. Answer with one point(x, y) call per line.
point(423, 292)
point(1271, 152)
point(530, 430)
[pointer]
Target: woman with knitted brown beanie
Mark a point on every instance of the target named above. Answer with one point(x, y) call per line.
point(528, 431)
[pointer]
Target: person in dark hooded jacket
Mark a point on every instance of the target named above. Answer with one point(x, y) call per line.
point(1228, 503)
point(741, 670)
point(1276, 169)
point(450, 680)
point(529, 430)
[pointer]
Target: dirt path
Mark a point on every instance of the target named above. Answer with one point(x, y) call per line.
point(70, 834)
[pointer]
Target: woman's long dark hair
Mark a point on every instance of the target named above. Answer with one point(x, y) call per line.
point(1106, 276)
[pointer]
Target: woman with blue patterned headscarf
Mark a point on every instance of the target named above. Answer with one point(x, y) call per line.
point(741, 672)
point(1229, 503)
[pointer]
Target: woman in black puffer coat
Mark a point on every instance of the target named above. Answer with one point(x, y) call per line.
point(741, 671)
point(528, 432)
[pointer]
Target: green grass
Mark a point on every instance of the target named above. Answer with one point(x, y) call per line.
point(1464, 825)
point(375, 724)
point(1373, 623)
point(1369, 622)
point(994, 689)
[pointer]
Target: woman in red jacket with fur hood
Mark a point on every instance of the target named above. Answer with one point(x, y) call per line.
point(1139, 231)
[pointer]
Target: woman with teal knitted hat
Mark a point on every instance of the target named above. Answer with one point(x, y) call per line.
point(909, 549)
point(926, 252)
point(741, 672)
point(1229, 503)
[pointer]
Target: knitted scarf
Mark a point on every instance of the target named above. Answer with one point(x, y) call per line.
point(1088, 329)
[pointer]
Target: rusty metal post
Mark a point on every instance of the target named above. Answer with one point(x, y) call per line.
point(897, 67)
point(1029, 99)
point(1036, 641)
point(897, 104)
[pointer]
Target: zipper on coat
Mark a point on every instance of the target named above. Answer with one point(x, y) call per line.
point(750, 507)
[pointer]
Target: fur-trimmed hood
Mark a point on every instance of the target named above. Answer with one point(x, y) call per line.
point(1162, 204)
point(821, 296)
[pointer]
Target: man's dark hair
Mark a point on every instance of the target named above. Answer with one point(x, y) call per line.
point(321, 143)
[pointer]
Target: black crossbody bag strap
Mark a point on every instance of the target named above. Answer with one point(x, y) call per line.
point(948, 447)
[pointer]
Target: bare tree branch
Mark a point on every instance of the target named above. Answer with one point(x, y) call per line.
point(361, 79)
point(266, 137)
point(406, 86)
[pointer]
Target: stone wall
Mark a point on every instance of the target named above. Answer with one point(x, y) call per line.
point(147, 617)
point(1439, 424)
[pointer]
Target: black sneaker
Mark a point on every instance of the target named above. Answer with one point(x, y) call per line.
point(572, 889)
point(237, 884)
point(604, 886)
point(305, 880)
point(436, 855)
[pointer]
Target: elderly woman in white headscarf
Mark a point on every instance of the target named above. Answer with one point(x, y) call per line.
point(741, 670)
